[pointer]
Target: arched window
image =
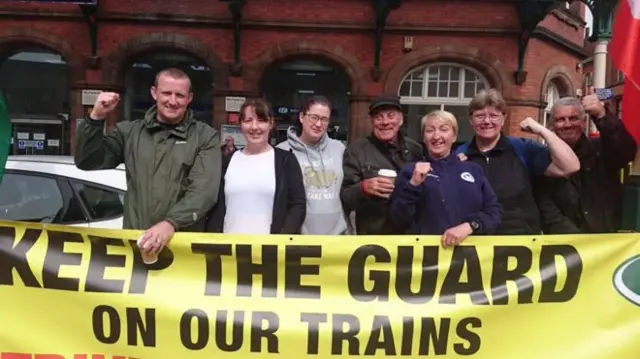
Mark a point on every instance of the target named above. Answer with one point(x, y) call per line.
point(441, 86)
point(553, 94)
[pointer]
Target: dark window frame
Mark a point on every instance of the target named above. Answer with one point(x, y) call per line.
point(85, 205)
point(63, 187)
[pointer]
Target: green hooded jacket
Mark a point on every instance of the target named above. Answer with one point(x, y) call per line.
point(173, 172)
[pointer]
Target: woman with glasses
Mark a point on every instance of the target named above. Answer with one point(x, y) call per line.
point(443, 195)
point(510, 163)
point(320, 159)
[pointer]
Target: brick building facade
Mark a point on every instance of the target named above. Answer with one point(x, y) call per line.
point(433, 54)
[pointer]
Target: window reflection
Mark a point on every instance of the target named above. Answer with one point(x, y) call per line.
point(288, 85)
point(35, 84)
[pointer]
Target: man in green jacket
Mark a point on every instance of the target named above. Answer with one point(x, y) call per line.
point(173, 161)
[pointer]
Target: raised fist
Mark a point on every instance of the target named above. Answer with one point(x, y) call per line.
point(532, 126)
point(105, 103)
point(592, 104)
point(420, 172)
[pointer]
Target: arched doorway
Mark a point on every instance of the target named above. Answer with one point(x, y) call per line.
point(288, 84)
point(35, 83)
point(140, 76)
point(440, 86)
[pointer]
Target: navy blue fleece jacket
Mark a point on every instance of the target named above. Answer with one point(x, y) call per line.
point(453, 193)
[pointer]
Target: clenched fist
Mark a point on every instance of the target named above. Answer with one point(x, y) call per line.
point(105, 103)
point(592, 104)
point(532, 126)
point(420, 172)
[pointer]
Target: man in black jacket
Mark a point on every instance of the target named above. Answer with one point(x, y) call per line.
point(364, 189)
point(589, 201)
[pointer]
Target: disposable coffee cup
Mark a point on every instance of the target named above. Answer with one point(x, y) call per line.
point(390, 174)
point(147, 258)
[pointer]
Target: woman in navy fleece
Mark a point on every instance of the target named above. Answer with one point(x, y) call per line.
point(444, 195)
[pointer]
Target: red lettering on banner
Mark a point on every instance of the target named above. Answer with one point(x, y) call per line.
point(15, 356)
point(59, 356)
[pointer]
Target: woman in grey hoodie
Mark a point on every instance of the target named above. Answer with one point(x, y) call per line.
point(320, 158)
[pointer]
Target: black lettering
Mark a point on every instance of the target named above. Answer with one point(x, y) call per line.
point(356, 274)
point(314, 320)
point(438, 336)
point(268, 269)
point(428, 279)
point(140, 271)
point(463, 331)
point(213, 255)
point(202, 335)
point(56, 257)
point(381, 325)
point(339, 334)
point(100, 261)
point(112, 320)
point(452, 286)
point(236, 331)
point(146, 327)
point(501, 274)
point(407, 336)
point(269, 333)
point(549, 273)
point(294, 270)
point(15, 256)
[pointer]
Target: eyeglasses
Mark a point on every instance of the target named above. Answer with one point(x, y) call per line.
point(484, 116)
point(315, 118)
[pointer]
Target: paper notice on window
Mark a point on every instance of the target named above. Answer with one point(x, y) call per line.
point(39, 136)
point(53, 143)
point(23, 135)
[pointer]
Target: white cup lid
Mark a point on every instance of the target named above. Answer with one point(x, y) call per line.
point(387, 173)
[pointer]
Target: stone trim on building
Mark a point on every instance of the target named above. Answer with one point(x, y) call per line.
point(116, 62)
point(488, 65)
point(16, 39)
point(560, 76)
point(307, 47)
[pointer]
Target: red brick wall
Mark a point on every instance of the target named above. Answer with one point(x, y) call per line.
point(352, 48)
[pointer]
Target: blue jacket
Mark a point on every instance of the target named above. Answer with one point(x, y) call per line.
point(453, 193)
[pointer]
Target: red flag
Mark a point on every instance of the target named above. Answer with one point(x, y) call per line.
point(625, 55)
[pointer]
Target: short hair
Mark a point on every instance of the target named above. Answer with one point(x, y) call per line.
point(488, 98)
point(261, 107)
point(570, 102)
point(173, 73)
point(446, 116)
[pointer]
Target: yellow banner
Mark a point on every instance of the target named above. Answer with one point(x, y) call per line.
point(72, 293)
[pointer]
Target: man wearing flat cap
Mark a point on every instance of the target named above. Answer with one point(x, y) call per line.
point(370, 165)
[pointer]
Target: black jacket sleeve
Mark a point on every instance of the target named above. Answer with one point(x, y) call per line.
point(351, 192)
point(215, 217)
point(296, 197)
point(618, 146)
point(552, 220)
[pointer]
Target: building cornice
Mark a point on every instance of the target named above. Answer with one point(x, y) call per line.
point(540, 33)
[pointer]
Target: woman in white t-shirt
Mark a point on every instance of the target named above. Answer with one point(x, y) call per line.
point(262, 190)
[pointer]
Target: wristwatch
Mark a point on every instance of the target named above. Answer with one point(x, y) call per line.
point(474, 226)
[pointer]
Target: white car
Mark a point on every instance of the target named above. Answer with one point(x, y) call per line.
point(51, 189)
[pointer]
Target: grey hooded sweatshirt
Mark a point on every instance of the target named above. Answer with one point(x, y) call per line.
point(322, 172)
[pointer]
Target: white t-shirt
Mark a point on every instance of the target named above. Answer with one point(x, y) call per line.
point(249, 190)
